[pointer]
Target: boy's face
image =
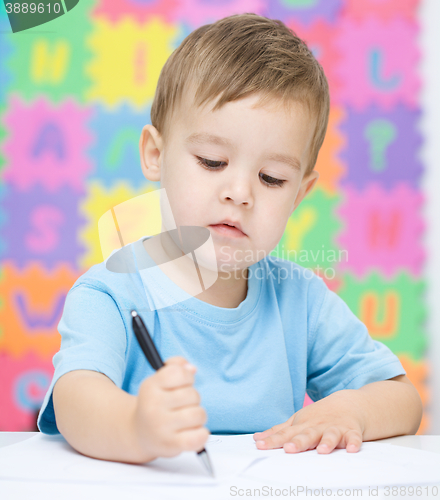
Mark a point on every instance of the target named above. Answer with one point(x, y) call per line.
point(247, 150)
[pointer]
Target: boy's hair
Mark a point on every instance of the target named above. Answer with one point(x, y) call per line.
point(240, 55)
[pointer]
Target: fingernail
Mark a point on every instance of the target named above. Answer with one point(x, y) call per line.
point(323, 447)
point(190, 367)
point(290, 447)
point(351, 447)
point(260, 444)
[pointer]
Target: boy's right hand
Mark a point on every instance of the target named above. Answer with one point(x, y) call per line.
point(168, 418)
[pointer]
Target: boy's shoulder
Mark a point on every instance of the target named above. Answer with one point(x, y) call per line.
point(298, 289)
point(96, 274)
point(100, 278)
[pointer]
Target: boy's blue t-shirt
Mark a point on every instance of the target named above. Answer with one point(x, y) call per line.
point(254, 362)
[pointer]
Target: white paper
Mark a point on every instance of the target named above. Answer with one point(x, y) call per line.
point(375, 464)
point(51, 458)
point(50, 490)
point(47, 466)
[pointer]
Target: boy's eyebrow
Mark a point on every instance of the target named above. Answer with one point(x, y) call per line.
point(203, 137)
point(288, 160)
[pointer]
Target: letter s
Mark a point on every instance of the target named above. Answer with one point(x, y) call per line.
point(44, 236)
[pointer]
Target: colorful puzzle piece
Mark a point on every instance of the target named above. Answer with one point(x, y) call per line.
point(383, 9)
point(382, 230)
point(53, 62)
point(392, 310)
point(6, 52)
point(41, 226)
point(98, 201)
point(320, 38)
point(32, 304)
point(308, 238)
point(382, 146)
point(25, 381)
point(46, 145)
point(133, 64)
point(329, 166)
point(3, 133)
point(116, 146)
point(114, 10)
point(198, 12)
point(305, 11)
point(378, 63)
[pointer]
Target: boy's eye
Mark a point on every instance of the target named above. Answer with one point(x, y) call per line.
point(209, 163)
point(214, 165)
point(271, 181)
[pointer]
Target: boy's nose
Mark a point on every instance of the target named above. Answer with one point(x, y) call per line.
point(238, 202)
point(240, 192)
point(240, 199)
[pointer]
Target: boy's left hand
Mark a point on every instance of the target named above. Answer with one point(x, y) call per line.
point(336, 421)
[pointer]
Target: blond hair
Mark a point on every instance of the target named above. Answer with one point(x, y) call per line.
point(240, 55)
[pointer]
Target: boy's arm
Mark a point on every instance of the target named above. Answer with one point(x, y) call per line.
point(102, 421)
point(390, 409)
point(346, 418)
point(96, 417)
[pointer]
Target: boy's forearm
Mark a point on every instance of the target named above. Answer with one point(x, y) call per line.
point(390, 408)
point(96, 417)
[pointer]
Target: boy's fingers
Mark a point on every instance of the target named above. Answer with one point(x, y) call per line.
point(174, 375)
point(354, 441)
point(331, 437)
point(268, 432)
point(293, 440)
point(182, 396)
point(176, 360)
point(191, 417)
point(193, 439)
point(306, 440)
point(277, 439)
point(180, 361)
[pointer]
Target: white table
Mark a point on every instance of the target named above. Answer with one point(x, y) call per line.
point(428, 443)
point(47, 491)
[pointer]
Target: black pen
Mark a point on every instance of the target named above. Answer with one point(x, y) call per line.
point(150, 351)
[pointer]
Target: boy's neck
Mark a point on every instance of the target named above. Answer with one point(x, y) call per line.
point(229, 289)
point(228, 293)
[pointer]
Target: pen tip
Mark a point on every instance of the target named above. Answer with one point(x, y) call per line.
point(134, 313)
point(206, 461)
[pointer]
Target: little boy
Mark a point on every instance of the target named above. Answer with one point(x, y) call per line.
point(238, 119)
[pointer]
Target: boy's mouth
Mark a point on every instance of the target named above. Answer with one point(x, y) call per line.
point(229, 228)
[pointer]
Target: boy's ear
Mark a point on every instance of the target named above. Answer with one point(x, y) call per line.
point(150, 149)
point(306, 186)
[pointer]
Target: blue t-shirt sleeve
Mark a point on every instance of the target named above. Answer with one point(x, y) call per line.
point(93, 337)
point(341, 354)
